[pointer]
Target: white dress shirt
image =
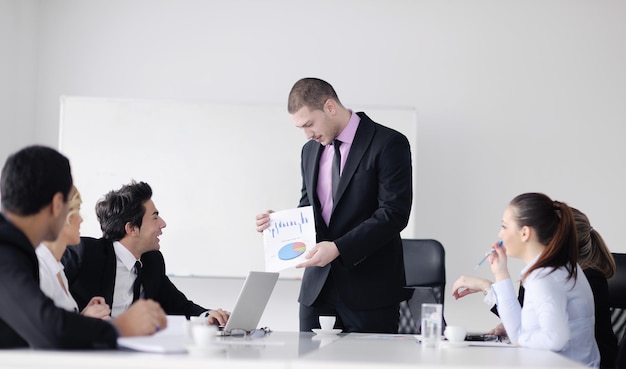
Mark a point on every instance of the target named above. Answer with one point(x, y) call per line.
point(124, 278)
point(558, 314)
point(49, 267)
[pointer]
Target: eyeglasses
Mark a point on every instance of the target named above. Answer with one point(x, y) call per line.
point(255, 333)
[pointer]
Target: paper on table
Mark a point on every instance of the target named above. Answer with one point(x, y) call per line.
point(158, 343)
point(170, 340)
point(290, 235)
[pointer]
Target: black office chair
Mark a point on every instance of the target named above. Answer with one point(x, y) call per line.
point(620, 363)
point(425, 269)
point(617, 296)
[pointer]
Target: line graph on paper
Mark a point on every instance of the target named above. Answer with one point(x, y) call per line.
point(290, 235)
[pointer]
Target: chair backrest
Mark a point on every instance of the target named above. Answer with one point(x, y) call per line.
point(617, 295)
point(617, 283)
point(424, 265)
point(425, 270)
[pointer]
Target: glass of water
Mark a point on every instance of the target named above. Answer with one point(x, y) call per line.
point(431, 325)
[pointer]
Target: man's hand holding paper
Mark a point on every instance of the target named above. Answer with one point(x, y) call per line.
point(320, 255)
point(288, 236)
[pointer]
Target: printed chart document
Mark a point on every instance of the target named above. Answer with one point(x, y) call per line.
point(288, 238)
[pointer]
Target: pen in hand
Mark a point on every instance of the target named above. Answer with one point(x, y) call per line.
point(486, 256)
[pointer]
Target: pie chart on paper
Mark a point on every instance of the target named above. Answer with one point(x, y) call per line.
point(291, 250)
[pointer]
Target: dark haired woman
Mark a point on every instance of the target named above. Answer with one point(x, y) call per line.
point(558, 311)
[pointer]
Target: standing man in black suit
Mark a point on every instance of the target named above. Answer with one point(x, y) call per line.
point(356, 270)
point(35, 185)
point(126, 263)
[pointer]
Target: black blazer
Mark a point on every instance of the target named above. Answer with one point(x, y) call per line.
point(30, 318)
point(91, 266)
point(372, 207)
point(605, 338)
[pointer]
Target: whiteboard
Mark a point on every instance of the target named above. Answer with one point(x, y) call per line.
point(212, 167)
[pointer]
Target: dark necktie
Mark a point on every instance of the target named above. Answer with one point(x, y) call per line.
point(138, 280)
point(336, 171)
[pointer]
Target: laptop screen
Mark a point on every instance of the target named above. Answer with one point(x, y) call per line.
point(253, 298)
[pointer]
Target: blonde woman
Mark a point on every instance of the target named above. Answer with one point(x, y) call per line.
point(52, 279)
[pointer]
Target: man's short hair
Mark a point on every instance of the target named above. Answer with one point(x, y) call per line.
point(31, 177)
point(312, 93)
point(122, 206)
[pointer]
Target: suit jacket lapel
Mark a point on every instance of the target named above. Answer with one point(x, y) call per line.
point(313, 161)
point(110, 271)
point(361, 142)
point(311, 165)
point(150, 277)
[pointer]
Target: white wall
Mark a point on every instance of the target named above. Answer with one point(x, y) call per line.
point(205, 220)
point(18, 39)
point(512, 96)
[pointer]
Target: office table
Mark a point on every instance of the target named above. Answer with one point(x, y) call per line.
point(377, 351)
point(297, 350)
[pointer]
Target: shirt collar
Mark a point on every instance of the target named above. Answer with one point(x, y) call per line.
point(127, 258)
point(46, 257)
point(529, 265)
point(348, 133)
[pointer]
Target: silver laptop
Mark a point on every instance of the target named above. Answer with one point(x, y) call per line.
point(253, 297)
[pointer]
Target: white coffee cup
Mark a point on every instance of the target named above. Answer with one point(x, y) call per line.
point(203, 334)
point(327, 323)
point(194, 320)
point(454, 333)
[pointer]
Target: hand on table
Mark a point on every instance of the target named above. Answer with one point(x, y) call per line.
point(143, 317)
point(498, 330)
point(218, 317)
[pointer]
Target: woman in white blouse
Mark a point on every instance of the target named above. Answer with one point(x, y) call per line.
point(52, 279)
point(558, 311)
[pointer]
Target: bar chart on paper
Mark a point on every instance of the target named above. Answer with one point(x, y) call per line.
point(290, 234)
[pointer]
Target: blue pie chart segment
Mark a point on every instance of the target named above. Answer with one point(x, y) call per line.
point(291, 250)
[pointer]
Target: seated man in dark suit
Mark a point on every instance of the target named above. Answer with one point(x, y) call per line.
point(35, 185)
point(126, 263)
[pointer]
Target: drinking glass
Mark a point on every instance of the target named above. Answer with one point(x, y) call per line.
point(431, 325)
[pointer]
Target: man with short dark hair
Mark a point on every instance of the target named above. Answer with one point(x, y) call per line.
point(34, 186)
point(126, 264)
point(356, 174)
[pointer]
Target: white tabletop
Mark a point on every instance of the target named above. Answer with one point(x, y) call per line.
point(294, 350)
point(367, 350)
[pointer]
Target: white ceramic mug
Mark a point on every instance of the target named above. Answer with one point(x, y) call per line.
point(454, 333)
point(203, 334)
point(327, 323)
point(194, 320)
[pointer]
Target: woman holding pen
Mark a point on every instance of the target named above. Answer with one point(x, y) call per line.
point(596, 261)
point(558, 310)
